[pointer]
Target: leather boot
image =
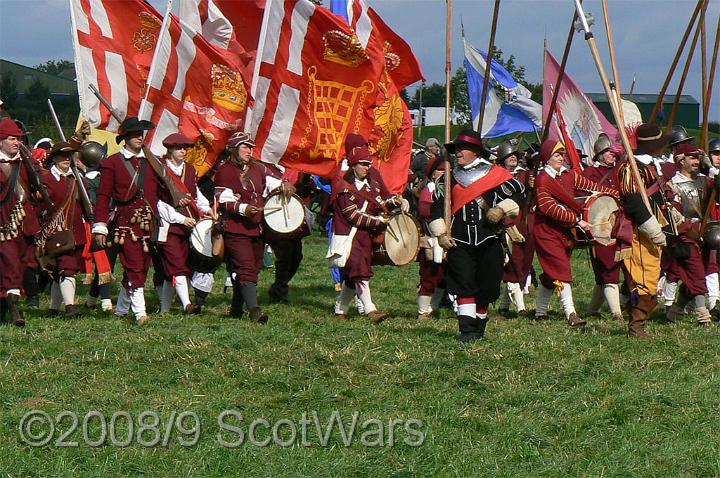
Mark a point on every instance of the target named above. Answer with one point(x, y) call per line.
point(14, 314)
point(237, 303)
point(72, 311)
point(482, 325)
point(639, 314)
point(469, 328)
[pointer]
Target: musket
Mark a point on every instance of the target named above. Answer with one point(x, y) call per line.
point(34, 182)
point(84, 196)
point(175, 193)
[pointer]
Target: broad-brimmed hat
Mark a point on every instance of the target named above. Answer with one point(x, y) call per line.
point(8, 127)
point(468, 137)
point(132, 125)
point(239, 138)
point(59, 148)
point(650, 138)
point(177, 139)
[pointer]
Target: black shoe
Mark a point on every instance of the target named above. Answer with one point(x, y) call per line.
point(257, 315)
point(14, 314)
point(715, 313)
point(3, 319)
point(470, 328)
point(467, 337)
point(481, 326)
point(72, 311)
point(278, 296)
point(33, 301)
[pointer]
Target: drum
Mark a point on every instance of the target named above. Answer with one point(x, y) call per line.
point(600, 211)
point(201, 248)
point(401, 242)
point(284, 215)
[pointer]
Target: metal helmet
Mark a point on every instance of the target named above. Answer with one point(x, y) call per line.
point(711, 238)
point(679, 135)
point(505, 149)
point(602, 144)
point(714, 146)
point(92, 153)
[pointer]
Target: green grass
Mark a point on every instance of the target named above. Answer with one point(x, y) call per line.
point(531, 400)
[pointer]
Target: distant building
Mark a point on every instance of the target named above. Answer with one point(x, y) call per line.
point(59, 86)
point(688, 113)
point(432, 116)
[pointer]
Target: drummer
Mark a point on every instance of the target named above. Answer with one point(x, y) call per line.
point(557, 213)
point(177, 224)
point(604, 172)
point(360, 203)
point(287, 247)
point(241, 186)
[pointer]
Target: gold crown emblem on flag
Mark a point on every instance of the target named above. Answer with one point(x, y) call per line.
point(344, 49)
point(148, 20)
point(227, 88)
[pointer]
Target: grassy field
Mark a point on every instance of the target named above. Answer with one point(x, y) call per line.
point(531, 400)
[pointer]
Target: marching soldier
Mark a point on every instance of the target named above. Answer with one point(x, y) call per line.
point(557, 213)
point(520, 250)
point(483, 195)
point(641, 253)
point(360, 212)
point(18, 222)
point(177, 224)
point(692, 192)
point(125, 213)
point(63, 189)
point(430, 258)
point(604, 172)
point(241, 187)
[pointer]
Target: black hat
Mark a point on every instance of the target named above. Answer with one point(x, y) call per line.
point(468, 137)
point(650, 138)
point(132, 125)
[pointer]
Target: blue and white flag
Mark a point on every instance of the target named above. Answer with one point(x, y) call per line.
point(508, 108)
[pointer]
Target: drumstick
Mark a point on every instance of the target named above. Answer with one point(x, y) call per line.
point(284, 208)
point(272, 208)
point(392, 233)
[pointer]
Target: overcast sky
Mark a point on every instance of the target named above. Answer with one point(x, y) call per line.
point(646, 33)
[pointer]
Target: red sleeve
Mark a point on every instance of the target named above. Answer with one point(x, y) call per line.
point(104, 192)
point(549, 206)
point(584, 184)
point(351, 212)
point(425, 204)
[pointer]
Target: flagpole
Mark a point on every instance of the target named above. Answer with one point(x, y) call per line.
point(711, 83)
point(603, 78)
point(671, 71)
point(448, 73)
point(488, 64)
point(703, 81)
point(611, 49)
point(686, 69)
point(561, 75)
point(164, 29)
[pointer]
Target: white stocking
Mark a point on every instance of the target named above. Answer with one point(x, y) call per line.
point(123, 302)
point(137, 302)
point(612, 296)
point(363, 291)
point(543, 300)
point(342, 302)
point(181, 288)
point(67, 290)
point(567, 299)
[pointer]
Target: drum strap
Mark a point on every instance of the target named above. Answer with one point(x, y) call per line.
point(179, 181)
point(363, 194)
point(606, 175)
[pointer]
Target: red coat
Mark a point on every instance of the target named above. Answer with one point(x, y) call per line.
point(189, 179)
point(117, 184)
point(250, 190)
point(58, 191)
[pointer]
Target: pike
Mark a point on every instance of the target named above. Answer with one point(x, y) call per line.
point(175, 192)
point(613, 105)
point(84, 196)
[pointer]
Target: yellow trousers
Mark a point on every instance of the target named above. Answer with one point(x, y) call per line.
point(643, 265)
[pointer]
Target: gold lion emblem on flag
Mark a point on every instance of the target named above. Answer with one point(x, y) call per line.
point(389, 117)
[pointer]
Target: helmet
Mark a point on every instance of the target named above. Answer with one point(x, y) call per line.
point(714, 146)
point(505, 149)
point(602, 144)
point(92, 153)
point(679, 135)
point(712, 235)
